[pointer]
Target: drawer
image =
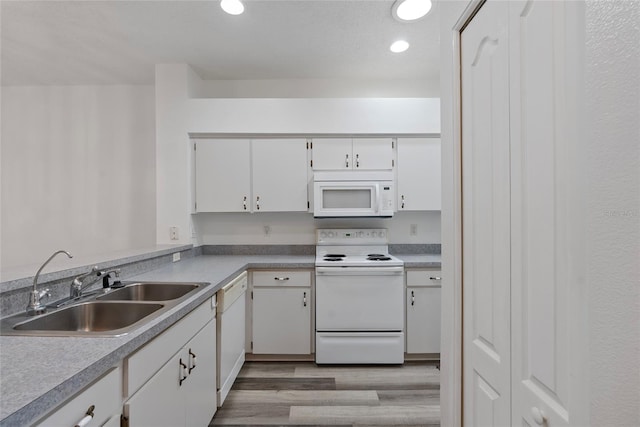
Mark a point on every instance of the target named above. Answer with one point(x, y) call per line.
point(282, 278)
point(429, 278)
point(104, 394)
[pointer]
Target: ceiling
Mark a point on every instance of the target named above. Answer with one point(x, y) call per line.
point(119, 42)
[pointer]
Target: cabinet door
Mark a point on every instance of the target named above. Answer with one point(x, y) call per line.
point(423, 319)
point(279, 175)
point(332, 154)
point(419, 174)
point(200, 385)
point(282, 321)
point(223, 175)
point(372, 153)
point(160, 402)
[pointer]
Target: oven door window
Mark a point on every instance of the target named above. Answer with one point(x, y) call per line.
point(347, 198)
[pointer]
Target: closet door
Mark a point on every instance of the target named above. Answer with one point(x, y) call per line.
point(486, 218)
point(548, 304)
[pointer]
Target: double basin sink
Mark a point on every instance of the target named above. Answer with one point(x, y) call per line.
point(113, 313)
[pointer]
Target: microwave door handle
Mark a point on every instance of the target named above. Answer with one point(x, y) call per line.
point(378, 201)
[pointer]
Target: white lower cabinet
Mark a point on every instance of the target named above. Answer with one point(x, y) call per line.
point(282, 312)
point(423, 311)
point(105, 395)
point(182, 391)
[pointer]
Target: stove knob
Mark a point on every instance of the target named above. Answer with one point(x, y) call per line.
point(360, 234)
point(323, 234)
point(381, 234)
point(331, 234)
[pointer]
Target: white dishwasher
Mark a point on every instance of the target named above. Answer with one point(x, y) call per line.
point(231, 333)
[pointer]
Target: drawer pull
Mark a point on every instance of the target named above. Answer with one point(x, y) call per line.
point(87, 417)
point(183, 372)
point(192, 361)
point(281, 279)
point(435, 278)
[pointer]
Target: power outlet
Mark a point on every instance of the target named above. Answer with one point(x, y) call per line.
point(176, 257)
point(173, 233)
point(267, 230)
point(413, 230)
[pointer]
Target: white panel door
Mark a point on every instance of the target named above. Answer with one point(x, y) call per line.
point(223, 175)
point(419, 179)
point(332, 154)
point(200, 385)
point(423, 319)
point(548, 358)
point(485, 218)
point(372, 153)
point(279, 175)
point(282, 320)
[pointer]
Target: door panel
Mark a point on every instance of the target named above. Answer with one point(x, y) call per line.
point(485, 217)
point(544, 362)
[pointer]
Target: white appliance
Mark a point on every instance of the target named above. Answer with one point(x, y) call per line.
point(353, 194)
point(359, 298)
point(230, 334)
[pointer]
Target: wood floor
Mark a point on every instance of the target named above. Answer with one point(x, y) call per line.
point(302, 393)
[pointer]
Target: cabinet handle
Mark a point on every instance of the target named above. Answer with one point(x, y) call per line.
point(304, 299)
point(413, 298)
point(183, 373)
point(192, 361)
point(257, 203)
point(281, 279)
point(88, 416)
point(244, 203)
point(538, 416)
point(346, 160)
point(402, 197)
point(357, 160)
point(435, 278)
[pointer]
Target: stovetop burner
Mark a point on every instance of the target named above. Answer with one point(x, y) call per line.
point(335, 255)
point(378, 258)
point(332, 259)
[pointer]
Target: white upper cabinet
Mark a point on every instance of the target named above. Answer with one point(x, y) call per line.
point(241, 175)
point(353, 154)
point(279, 175)
point(222, 175)
point(419, 178)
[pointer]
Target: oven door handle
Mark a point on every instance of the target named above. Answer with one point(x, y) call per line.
point(359, 271)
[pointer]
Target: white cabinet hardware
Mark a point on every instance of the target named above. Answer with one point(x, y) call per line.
point(538, 416)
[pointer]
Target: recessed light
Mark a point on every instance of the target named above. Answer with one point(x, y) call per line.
point(232, 7)
point(399, 46)
point(410, 10)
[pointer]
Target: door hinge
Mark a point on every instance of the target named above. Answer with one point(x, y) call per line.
point(251, 294)
point(124, 421)
point(392, 144)
point(251, 345)
point(194, 146)
point(393, 163)
point(195, 206)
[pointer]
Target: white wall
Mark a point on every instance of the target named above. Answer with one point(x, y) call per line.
point(179, 112)
point(319, 88)
point(78, 170)
point(299, 228)
point(612, 148)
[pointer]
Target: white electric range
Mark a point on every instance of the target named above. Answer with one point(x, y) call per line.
point(359, 298)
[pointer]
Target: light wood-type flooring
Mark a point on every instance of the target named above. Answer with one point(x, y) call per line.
point(303, 393)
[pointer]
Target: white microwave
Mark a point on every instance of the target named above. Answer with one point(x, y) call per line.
point(342, 194)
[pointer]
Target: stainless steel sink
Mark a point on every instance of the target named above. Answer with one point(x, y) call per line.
point(115, 313)
point(150, 292)
point(102, 318)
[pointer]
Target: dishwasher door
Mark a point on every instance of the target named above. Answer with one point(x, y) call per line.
point(231, 333)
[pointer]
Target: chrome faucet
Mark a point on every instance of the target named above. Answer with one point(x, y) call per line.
point(77, 285)
point(35, 306)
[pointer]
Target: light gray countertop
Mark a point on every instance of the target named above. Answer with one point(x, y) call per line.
point(38, 373)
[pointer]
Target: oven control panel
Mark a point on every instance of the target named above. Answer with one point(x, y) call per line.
point(351, 236)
